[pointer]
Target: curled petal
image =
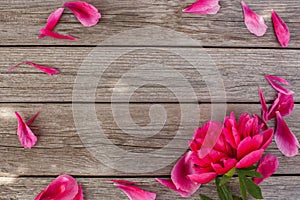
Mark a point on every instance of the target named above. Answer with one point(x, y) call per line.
point(203, 178)
point(283, 103)
point(254, 22)
point(250, 159)
point(281, 30)
point(135, 193)
point(25, 135)
point(31, 120)
point(52, 34)
point(264, 107)
point(286, 141)
point(79, 195)
point(47, 70)
point(267, 166)
point(272, 80)
point(203, 7)
point(169, 183)
point(52, 20)
point(64, 187)
point(86, 13)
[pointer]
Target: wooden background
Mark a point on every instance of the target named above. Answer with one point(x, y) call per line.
point(241, 58)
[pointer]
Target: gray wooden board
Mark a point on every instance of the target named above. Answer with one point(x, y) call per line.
point(60, 149)
point(282, 187)
point(241, 70)
point(20, 22)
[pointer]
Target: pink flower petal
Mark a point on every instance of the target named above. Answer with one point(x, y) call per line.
point(267, 166)
point(79, 195)
point(124, 182)
point(86, 13)
point(286, 141)
point(47, 70)
point(284, 104)
point(250, 159)
point(52, 34)
point(25, 135)
point(64, 187)
point(264, 107)
point(203, 7)
point(203, 178)
point(30, 121)
point(254, 22)
point(135, 193)
point(272, 80)
point(281, 30)
point(249, 145)
point(169, 183)
point(52, 20)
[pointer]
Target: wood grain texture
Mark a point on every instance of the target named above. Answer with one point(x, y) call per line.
point(61, 150)
point(95, 188)
point(20, 23)
point(241, 70)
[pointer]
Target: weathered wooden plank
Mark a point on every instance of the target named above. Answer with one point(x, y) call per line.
point(61, 150)
point(241, 70)
point(283, 187)
point(20, 23)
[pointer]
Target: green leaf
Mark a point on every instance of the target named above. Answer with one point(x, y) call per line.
point(251, 173)
point(236, 197)
point(223, 191)
point(250, 168)
point(226, 177)
point(253, 189)
point(242, 184)
point(204, 197)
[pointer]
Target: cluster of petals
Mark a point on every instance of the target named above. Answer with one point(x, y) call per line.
point(64, 187)
point(86, 14)
point(133, 192)
point(241, 144)
point(282, 106)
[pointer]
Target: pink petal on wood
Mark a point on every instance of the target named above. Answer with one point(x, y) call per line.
point(79, 195)
point(272, 80)
point(267, 166)
point(254, 22)
point(55, 35)
point(124, 182)
point(264, 107)
point(135, 193)
point(52, 20)
point(64, 187)
point(47, 70)
point(203, 7)
point(31, 120)
point(86, 13)
point(169, 183)
point(281, 30)
point(25, 135)
point(286, 141)
point(284, 104)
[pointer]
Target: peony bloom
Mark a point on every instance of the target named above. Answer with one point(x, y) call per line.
point(240, 145)
point(64, 187)
point(179, 181)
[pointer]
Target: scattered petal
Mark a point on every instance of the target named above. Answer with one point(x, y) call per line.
point(125, 182)
point(25, 135)
point(135, 193)
point(203, 7)
point(64, 187)
point(86, 13)
point(286, 141)
point(47, 70)
point(30, 121)
point(52, 20)
point(52, 34)
point(179, 180)
point(276, 86)
point(281, 30)
point(264, 107)
point(267, 166)
point(284, 104)
point(254, 22)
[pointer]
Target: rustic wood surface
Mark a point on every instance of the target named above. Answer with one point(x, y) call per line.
point(241, 60)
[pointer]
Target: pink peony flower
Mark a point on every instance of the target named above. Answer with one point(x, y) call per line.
point(64, 187)
point(179, 181)
point(86, 13)
point(241, 144)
